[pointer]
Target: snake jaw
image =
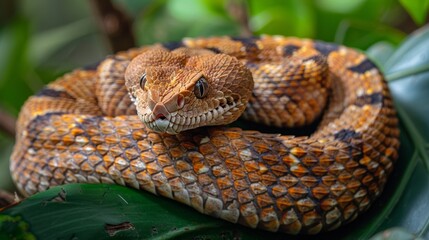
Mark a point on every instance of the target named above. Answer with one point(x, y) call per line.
point(224, 109)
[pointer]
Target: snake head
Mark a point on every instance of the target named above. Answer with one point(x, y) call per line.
point(187, 88)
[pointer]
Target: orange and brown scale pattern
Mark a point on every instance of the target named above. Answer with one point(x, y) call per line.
point(84, 128)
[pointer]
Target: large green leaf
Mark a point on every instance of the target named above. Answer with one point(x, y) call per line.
point(408, 72)
point(86, 211)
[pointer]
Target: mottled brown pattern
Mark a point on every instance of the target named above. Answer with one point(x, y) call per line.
point(83, 128)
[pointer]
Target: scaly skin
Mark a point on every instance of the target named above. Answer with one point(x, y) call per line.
point(84, 128)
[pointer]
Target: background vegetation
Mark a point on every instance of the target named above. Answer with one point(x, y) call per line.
point(40, 40)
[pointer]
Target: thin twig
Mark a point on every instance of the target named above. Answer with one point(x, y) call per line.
point(7, 123)
point(238, 10)
point(115, 24)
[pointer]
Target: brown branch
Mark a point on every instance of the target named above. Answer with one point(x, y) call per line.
point(115, 24)
point(238, 10)
point(6, 199)
point(7, 123)
point(8, 9)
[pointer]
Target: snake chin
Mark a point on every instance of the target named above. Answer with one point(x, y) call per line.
point(163, 126)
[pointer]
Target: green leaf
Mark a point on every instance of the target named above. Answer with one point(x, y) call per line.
point(417, 9)
point(395, 234)
point(362, 33)
point(380, 52)
point(340, 6)
point(410, 58)
point(14, 41)
point(88, 211)
point(335, 22)
point(291, 18)
point(408, 72)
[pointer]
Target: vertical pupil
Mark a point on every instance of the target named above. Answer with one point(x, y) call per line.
point(201, 88)
point(143, 80)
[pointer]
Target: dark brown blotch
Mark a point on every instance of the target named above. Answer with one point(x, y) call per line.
point(248, 43)
point(288, 50)
point(363, 67)
point(173, 45)
point(369, 99)
point(346, 135)
point(49, 92)
point(325, 48)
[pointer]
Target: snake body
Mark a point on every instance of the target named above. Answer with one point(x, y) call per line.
point(84, 127)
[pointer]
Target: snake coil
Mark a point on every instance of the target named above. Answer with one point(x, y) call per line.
point(84, 127)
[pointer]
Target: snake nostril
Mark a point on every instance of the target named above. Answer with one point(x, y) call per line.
point(180, 101)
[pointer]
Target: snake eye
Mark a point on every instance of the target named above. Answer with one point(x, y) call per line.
point(143, 80)
point(201, 88)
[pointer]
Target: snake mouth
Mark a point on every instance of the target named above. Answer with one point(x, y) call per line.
point(177, 122)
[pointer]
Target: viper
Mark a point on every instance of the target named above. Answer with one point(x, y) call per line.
point(155, 118)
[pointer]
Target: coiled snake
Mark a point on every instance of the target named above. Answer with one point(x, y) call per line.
point(84, 128)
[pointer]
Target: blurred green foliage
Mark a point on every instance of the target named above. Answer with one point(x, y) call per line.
point(417, 8)
point(47, 38)
point(43, 39)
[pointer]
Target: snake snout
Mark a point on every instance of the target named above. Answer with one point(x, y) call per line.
point(160, 112)
point(160, 119)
